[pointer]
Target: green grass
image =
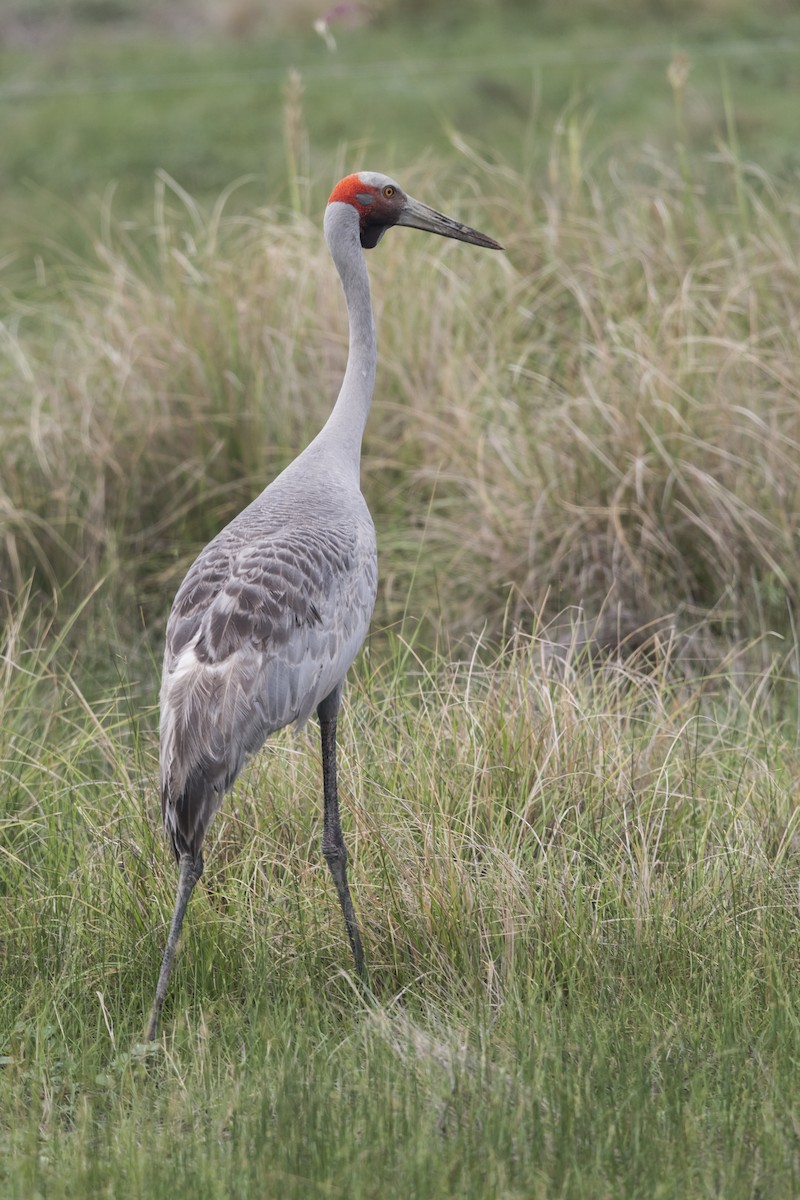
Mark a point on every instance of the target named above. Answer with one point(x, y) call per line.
point(569, 754)
point(579, 900)
point(86, 113)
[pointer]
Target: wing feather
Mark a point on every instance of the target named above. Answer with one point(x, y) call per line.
point(261, 631)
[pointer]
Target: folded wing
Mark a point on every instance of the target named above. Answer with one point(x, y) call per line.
point(258, 636)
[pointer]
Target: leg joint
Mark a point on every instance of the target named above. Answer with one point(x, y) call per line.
point(334, 852)
point(192, 865)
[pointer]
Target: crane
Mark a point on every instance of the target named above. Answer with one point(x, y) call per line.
point(274, 610)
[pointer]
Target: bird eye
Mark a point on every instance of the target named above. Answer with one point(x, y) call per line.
point(388, 191)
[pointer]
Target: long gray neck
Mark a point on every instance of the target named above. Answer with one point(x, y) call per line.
point(344, 429)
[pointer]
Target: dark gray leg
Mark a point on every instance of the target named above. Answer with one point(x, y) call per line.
point(333, 847)
point(190, 871)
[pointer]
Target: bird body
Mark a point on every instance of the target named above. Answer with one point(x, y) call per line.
point(274, 610)
point(265, 625)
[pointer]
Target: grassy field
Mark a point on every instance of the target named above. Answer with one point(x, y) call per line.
point(95, 110)
point(569, 753)
point(580, 904)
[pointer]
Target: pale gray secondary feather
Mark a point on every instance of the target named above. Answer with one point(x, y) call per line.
point(265, 625)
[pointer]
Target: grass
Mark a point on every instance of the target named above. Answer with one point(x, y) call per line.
point(91, 111)
point(609, 410)
point(569, 753)
point(578, 890)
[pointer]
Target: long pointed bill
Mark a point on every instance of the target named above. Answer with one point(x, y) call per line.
point(419, 216)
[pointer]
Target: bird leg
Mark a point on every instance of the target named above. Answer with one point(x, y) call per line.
point(333, 847)
point(190, 871)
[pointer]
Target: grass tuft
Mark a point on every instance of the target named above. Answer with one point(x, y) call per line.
point(603, 420)
point(578, 893)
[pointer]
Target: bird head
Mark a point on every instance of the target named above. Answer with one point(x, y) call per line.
point(380, 203)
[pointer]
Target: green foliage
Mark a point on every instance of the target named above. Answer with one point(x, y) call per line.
point(578, 890)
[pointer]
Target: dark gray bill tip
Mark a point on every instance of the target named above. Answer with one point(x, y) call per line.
point(419, 216)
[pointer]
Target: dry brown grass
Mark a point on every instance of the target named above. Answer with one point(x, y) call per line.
point(604, 420)
point(614, 424)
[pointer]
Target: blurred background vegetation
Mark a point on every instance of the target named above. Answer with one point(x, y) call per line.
point(605, 422)
point(98, 94)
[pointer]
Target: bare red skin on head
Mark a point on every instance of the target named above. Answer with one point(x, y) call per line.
point(347, 190)
point(380, 212)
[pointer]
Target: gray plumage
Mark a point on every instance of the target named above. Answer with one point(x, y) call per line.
point(274, 610)
point(263, 628)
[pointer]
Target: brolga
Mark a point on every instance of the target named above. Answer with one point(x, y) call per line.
point(274, 610)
